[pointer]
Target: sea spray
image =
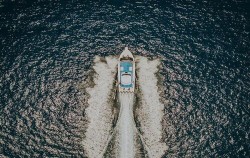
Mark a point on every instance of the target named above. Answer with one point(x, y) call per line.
point(99, 112)
point(108, 137)
point(150, 112)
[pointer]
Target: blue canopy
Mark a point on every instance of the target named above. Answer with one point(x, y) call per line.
point(126, 68)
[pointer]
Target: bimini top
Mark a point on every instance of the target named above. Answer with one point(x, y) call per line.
point(126, 71)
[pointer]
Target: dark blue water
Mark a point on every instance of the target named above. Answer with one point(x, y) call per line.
point(48, 47)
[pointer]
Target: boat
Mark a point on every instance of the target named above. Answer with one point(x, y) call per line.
point(126, 72)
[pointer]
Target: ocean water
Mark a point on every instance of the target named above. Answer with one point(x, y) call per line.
point(47, 48)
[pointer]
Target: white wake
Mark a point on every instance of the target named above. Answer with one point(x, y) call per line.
point(99, 111)
point(151, 111)
point(100, 115)
point(126, 130)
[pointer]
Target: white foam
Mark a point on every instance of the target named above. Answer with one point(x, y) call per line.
point(100, 116)
point(151, 111)
point(126, 126)
point(99, 112)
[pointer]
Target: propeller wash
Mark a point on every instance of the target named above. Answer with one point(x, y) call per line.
point(112, 130)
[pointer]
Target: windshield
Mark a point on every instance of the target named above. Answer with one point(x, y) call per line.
point(126, 58)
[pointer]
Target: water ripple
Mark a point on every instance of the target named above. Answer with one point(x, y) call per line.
point(47, 48)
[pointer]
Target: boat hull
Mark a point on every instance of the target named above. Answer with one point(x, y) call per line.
point(126, 72)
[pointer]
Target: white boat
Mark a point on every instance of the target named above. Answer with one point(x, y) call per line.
point(126, 72)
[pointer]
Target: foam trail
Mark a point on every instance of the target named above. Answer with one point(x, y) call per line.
point(126, 126)
point(151, 111)
point(99, 112)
